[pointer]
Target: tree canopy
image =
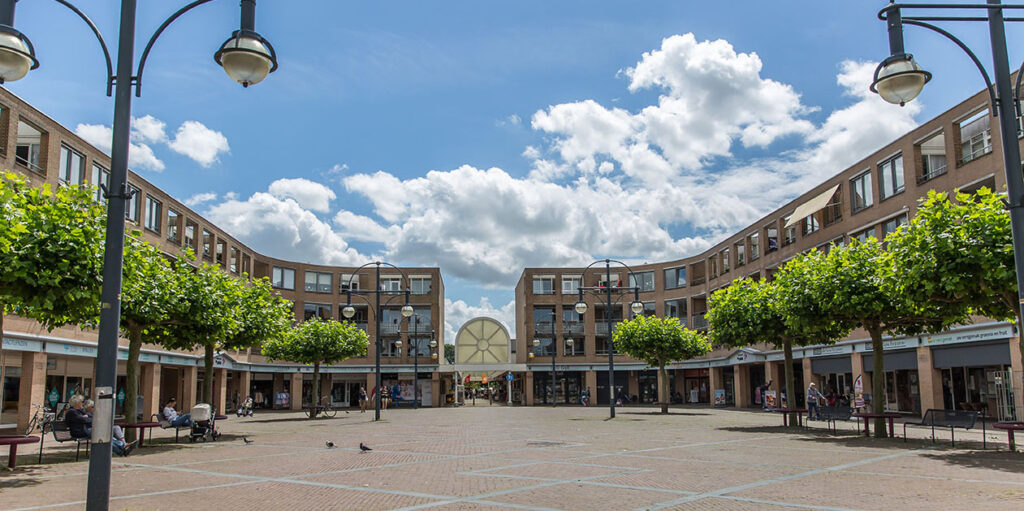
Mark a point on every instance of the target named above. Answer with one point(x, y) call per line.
point(316, 342)
point(659, 341)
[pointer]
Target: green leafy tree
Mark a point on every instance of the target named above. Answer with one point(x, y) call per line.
point(315, 342)
point(854, 286)
point(750, 312)
point(959, 254)
point(449, 353)
point(148, 297)
point(658, 342)
point(51, 252)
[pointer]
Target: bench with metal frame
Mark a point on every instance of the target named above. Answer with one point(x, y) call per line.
point(166, 424)
point(951, 419)
point(833, 414)
point(61, 434)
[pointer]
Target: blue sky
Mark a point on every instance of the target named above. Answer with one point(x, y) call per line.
point(485, 137)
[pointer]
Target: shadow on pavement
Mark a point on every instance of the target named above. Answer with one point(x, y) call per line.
point(21, 477)
point(663, 414)
point(1004, 461)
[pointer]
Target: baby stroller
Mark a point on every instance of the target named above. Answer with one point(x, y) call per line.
point(203, 423)
point(245, 409)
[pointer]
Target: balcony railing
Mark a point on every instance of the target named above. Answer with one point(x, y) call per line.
point(602, 327)
point(932, 174)
point(389, 329)
point(699, 322)
point(696, 281)
point(572, 327)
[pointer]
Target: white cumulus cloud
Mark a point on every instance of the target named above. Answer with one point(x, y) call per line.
point(140, 155)
point(200, 198)
point(201, 144)
point(458, 312)
point(309, 194)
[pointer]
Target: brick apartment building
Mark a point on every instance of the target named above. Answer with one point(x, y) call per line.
point(38, 366)
point(964, 368)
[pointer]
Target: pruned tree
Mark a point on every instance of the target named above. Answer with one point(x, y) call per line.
point(659, 341)
point(315, 342)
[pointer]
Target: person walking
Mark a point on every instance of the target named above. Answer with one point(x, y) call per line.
point(813, 399)
point(362, 399)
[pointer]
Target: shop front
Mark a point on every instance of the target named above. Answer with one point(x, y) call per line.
point(835, 374)
point(970, 373)
point(902, 391)
point(695, 385)
point(568, 386)
point(600, 395)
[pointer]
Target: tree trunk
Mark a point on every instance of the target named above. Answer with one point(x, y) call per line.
point(131, 385)
point(878, 381)
point(664, 387)
point(208, 375)
point(316, 386)
point(787, 346)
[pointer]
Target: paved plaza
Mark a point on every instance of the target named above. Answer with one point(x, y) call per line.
point(494, 457)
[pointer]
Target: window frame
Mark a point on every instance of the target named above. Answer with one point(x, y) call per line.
point(890, 177)
point(861, 182)
point(318, 286)
point(132, 206)
point(280, 281)
point(153, 213)
point(541, 279)
point(68, 155)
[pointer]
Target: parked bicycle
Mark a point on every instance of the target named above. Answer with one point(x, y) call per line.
point(40, 419)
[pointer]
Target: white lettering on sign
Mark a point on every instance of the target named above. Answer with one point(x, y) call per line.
point(1001, 332)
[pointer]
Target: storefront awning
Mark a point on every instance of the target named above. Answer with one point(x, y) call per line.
point(971, 355)
point(812, 206)
point(893, 360)
point(829, 365)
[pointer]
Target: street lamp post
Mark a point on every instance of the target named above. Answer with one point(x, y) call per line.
point(607, 290)
point(414, 344)
point(554, 350)
point(348, 311)
point(246, 57)
point(898, 79)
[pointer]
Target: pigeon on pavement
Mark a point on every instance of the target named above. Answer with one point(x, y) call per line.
point(246, 440)
point(330, 444)
point(363, 447)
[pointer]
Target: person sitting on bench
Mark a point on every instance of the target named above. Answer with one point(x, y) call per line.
point(117, 443)
point(79, 421)
point(172, 415)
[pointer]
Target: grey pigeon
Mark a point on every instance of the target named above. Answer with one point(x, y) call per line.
point(246, 440)
point(330, 444)
point(363, 447)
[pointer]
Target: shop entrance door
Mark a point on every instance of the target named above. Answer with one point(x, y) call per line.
point(1003, 382)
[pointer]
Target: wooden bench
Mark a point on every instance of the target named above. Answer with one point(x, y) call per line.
point(832, 414)
point(951, 419)
point(166, 424)
point(14, 442)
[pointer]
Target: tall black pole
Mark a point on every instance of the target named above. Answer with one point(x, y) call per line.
point(98, 493)
point(1008, 136)
point(415, 363)
point(611, 346)
point(554, 375)
point(376, 405)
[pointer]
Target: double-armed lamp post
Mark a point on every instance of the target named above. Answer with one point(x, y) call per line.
point(246, 57)
point(414, 345)
point(607, 290)
point(899, 79)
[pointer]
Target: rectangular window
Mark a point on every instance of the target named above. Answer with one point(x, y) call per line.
point(233, 261)
point(207, 244)
point(675, 277)
point(676, 309)
point(725, 260)
point(190, 234)
point(348, 282)
point(316, 310)
point(755, 245)
point(644, 280)
point(391, 284)
point(891, 226)
point(771, 233)
point(975, 137)
point(173, 226)
point(100, 176)
point(246, 265)
point(154, 213)
point(860, 192)
point(713, 266)
point(29, 150)
point(72, 166)
point(419, 285)
point(933, 157)
point(283, 278)
point(741, 254)
point(318, 282)
point(790, 233)
point(810, 225)
point(649, 309)
point(571, 285)
point(864, 235)
point(543, 285)
point(891, 175)
point(131, 211)
point(222, 248)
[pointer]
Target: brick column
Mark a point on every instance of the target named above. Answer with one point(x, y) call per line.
point(296, 390)
point(528, 387)
point(857, 368)
point(436, 399)
point(244, 385)
point(150, 389)
point(189, 380)
point(808, 378)
point(32, 389)
point(590, 378)
point(714, 383)
point(1017, 366)
point(220, 390)
point(929, 380)
point(741, 385)
point(775, 373)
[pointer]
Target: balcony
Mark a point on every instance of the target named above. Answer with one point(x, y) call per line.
point(389, 329)
point(699, 322)
point(601, 328)
point(572, 327)
point(699, 280)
